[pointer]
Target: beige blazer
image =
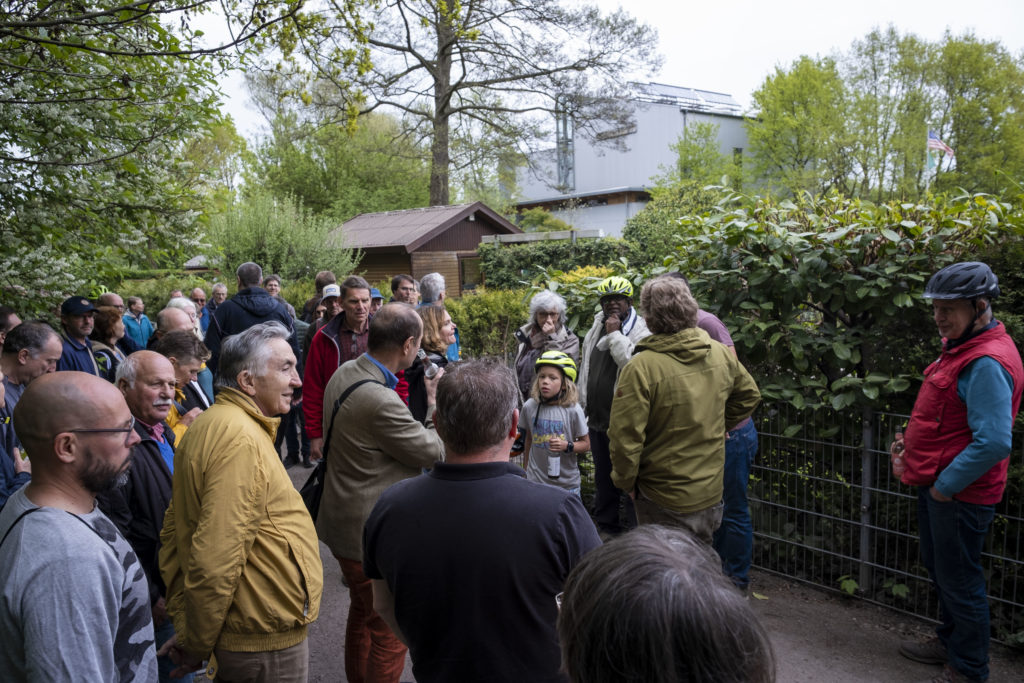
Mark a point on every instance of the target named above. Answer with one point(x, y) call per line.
point(375, 443)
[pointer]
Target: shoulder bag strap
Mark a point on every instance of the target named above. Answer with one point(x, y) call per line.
point(337, 405)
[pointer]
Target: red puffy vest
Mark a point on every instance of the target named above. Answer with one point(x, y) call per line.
point(938, 428)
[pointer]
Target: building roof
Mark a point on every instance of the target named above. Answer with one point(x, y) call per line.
point(412, 228)
point(688, 98)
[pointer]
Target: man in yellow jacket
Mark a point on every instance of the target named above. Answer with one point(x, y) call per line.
point(240, 555)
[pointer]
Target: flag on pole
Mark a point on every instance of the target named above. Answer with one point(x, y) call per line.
point(934, 142)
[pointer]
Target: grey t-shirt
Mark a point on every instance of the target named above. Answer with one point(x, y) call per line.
point(74, 603)
point(567, 423)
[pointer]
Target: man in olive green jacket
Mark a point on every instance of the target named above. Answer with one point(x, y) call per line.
point(675, 400)
point(240, 556)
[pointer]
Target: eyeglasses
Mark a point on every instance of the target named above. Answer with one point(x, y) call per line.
point(123, 430)
point(199, 301)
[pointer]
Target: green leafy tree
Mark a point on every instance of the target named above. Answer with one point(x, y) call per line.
point(699, 158)
point(981, 114)
point(858, 122)
point(340, 170)
point(541, 220)
point(95, 105)
point(797, 137)
point(482, 70)
point(280, 235)
point(890, 102)
point(652, 232)
point(213, 162)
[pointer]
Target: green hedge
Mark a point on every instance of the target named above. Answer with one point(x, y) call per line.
point(510, 266)
point(487, 321)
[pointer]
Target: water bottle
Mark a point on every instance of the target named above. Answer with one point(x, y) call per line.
point(431, 367)
point(897, 459)
point(554, 462)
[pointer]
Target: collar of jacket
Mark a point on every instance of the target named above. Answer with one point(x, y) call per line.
point(234, 397)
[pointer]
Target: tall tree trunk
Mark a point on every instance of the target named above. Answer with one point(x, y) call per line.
point(440, 157)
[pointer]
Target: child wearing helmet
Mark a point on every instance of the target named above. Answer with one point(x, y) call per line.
point(554, 426)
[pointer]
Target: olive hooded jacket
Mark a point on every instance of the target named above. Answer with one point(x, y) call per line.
point(674, 402)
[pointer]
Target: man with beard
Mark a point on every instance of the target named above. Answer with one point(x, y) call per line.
point(61, 558)
point(147, 379)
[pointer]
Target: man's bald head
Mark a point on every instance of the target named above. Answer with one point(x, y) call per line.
point(173, 319)
point(59, 402)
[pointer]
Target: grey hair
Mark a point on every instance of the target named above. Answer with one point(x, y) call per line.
point(128, 370)
point(653, 605)
point(220, 287)
point(668, 306)
point(249, 274)
point(248, 351)
point(431, 287)
point(184, 303)
point(475, 402)
point(546, 300)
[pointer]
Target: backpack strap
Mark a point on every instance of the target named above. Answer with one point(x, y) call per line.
point(337, 405)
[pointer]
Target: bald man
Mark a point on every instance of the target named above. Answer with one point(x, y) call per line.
point(170, 320)
point(73, 598)
point(175, 320)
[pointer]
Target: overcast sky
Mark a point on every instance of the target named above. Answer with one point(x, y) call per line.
point(730, 46)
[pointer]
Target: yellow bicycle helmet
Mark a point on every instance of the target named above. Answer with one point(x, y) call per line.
point(560, 360)
point(615, 285)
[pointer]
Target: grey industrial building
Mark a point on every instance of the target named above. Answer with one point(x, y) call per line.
point(599, 186)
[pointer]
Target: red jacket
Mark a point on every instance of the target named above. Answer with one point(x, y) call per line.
point(333, 344)
point(938, 429)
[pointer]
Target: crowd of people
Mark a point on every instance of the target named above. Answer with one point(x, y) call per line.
point(150, 528)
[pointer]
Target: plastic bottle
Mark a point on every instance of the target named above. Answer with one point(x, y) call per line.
point(554, 462)
point(897, 458)
point(430, 367)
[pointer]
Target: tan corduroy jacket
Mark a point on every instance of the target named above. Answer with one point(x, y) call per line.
point(375, 443)
point(240, 556)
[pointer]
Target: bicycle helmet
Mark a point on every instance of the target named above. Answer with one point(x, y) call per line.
point(968, 280)
point(560, 360)
point(615, 285)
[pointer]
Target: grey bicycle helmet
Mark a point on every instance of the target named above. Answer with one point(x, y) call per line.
point(968, 280)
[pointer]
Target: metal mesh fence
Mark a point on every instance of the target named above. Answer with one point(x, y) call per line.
point(827, 511)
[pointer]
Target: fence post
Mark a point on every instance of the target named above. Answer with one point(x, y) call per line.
point(867, 468)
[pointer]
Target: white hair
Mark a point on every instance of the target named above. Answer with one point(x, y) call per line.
point(431, 287)
point(546, 300)
point(248, 351)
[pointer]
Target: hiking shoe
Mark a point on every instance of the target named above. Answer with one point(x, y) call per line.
point(950, 675)
point(290, 462)
point(931, 651)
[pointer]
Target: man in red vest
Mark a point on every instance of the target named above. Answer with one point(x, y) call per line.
point(956, 451)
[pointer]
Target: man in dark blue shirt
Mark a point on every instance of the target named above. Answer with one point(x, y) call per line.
point(76, 321)
point(471, 552)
